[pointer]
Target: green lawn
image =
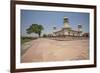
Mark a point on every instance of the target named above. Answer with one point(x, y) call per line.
point(26, 39)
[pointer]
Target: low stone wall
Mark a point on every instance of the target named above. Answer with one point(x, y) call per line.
point(68, 38)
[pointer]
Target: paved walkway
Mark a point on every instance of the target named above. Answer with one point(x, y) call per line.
point(43, 49)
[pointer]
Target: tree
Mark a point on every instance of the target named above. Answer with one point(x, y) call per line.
point(44, 35)
point(35, 28)
point(54, 28)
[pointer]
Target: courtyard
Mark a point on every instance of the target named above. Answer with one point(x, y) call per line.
point(45, 49)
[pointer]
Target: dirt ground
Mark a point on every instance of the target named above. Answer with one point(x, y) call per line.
point(43, 49)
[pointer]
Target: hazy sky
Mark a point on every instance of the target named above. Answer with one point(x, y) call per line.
point(50, 19)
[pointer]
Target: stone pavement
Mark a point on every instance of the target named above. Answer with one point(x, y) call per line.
point(44, 49)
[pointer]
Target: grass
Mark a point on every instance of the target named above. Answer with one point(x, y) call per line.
point(27, 39)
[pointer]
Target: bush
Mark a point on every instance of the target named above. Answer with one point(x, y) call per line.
point(27, 39)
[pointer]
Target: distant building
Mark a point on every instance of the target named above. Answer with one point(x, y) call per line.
point(67, 30)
